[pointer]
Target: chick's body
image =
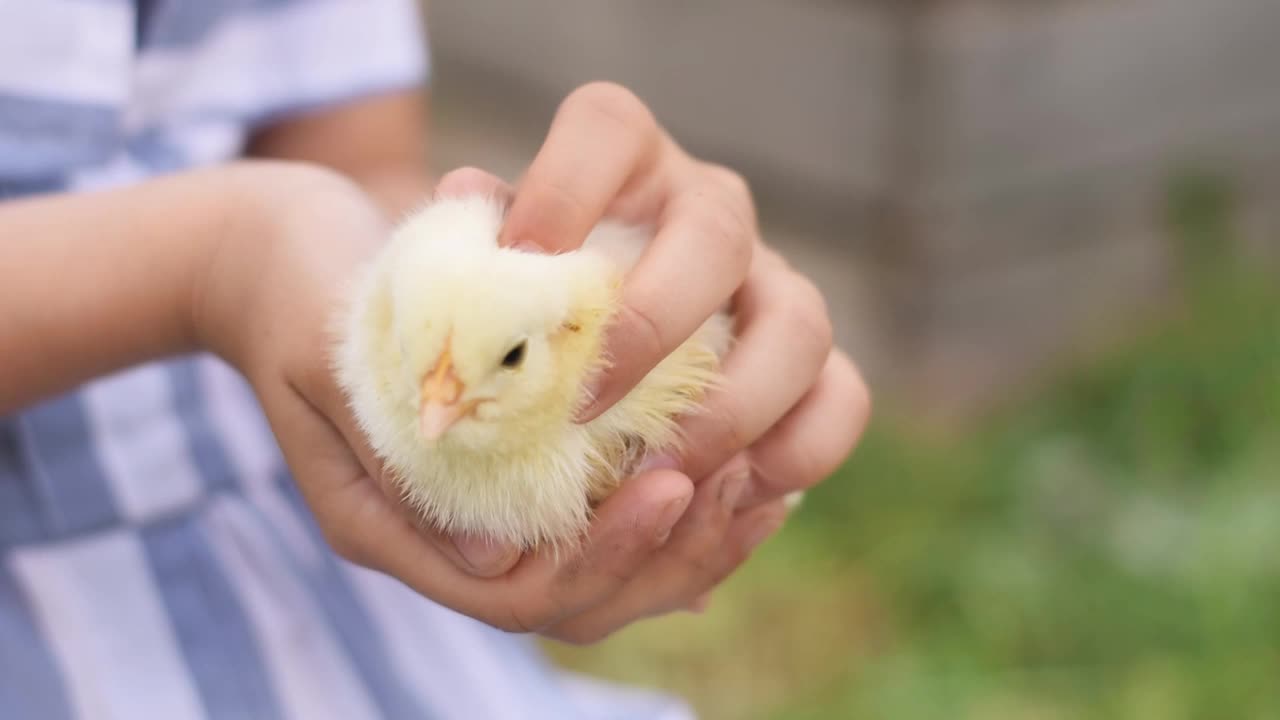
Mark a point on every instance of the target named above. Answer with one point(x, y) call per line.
point(464, 364)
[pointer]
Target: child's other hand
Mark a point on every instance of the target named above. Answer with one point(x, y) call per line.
point(791, 406)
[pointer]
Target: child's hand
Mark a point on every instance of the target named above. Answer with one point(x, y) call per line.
point(266, 303)
point(791, 408)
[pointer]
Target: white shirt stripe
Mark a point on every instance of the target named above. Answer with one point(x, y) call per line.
point(141, 443)
point(311, 673)
point(120, 171)
point(598, 698)
point(77, 52)
point(273, 60)
point(257, 461)
point(97, 604)
point(435, 649)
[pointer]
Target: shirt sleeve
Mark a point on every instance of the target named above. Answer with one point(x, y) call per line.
point(323, 52)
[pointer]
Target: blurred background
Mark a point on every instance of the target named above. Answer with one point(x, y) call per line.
point(1049, 232)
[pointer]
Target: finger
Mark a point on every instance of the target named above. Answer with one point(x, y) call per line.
point(700, 603)
point(627, 529)
point(673, 573)
point(602, 139)
point(679, 582)
point(359, 521)
point(327, 404)
point(473, 181)
point(814, 438)
point(785, 338)
point(747, 532)
point(696, 262)
point(478, 555)
point(539, 591)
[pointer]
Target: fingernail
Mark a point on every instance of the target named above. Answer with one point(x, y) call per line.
point(667, 517)
point(485, 557)
point(526, 246)
point(587, 401)
point(731, 489)
point(764, 527)
point(662, 461)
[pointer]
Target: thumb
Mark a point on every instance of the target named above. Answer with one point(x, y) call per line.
point(481, 556)
point(473, 181)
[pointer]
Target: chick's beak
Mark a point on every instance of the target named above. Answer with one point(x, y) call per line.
point(442, 404)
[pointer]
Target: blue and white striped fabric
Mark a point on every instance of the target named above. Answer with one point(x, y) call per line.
point(155, 558)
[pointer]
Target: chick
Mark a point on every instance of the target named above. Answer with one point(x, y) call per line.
point(464, 364)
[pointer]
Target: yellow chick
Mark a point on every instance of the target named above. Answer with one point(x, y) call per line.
point(464, 364)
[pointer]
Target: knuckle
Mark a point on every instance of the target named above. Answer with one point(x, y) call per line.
point(466, 173)
point(702, 554)
point(723, 226)
point(741, 251)
point(348, 549)
point(728, 420)
point(819, 455)
point(563, 200)
point(842, 377)
point(612, 101)
point(736, 220)
point(700, 561)
point(812, 463)
point(797, 466)
point(733, 183)
point(773, 260)
point(649, 337)
point(714, 219)
point(463, 180)
point(806, 314)
point(515, 620)
point(315, 382)
point(698, 548)
point(737, 196)
point(858, 415)
point(509, 624)
point(580, 634)
point(616, 558)
point(728, 559)
point(736, 554)
point(772, 516)
point(860, 399)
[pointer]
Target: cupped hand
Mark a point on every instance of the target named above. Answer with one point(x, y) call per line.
point(266, 303)
point(792, 406)
point(789, 412)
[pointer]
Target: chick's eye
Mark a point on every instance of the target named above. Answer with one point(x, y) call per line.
point(514, 356)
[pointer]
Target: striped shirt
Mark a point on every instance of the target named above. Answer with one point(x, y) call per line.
point(156, 560)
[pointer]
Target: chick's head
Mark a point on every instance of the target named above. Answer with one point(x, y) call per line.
point(494, 343)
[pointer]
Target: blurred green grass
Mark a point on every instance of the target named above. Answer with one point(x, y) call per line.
point(1108, 548)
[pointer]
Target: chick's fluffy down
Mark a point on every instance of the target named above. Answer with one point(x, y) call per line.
point(516, 468)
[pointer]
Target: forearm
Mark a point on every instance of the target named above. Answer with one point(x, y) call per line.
point(94, 282)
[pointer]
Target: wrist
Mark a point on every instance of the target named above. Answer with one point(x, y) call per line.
point(282, 228)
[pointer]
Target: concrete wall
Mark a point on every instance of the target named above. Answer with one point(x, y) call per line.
point(989, 174)
point(1054, 131)
point(793, 88)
